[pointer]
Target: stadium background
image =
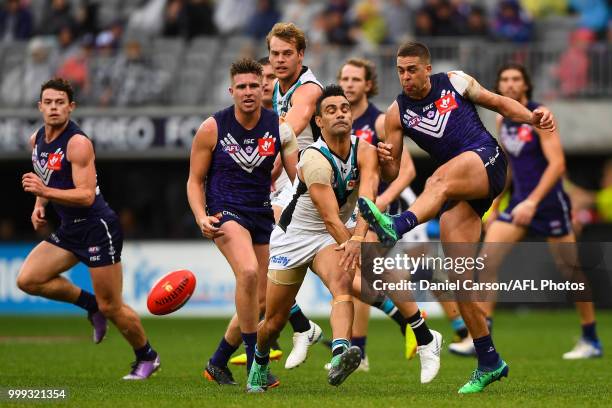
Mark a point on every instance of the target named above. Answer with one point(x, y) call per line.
point(147, 72)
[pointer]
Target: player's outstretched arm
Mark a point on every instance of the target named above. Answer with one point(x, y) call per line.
point(80, 154)
point(303, 102)
point(553, 151)
point(540, 118)
point(392, 145)
point(202, 148)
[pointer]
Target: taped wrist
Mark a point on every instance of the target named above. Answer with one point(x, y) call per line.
point(288, 138)
point(342, 299)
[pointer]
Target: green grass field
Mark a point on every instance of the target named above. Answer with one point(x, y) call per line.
point(60, 355)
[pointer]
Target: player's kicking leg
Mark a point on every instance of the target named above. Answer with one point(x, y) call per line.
point(40, 275)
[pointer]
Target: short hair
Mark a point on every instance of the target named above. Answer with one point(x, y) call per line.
point(264, 61)
point(246, 66)
point(288, 32)
point(328, 91)
point(370, 73)
point(414, 49)
point(59, 84)
point(519, 67)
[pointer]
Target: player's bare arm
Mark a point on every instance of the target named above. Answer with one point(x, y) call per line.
point(541, 118)
point(288, 156)
point(277, 170)
point(38, 214)
point(553, 151)
point(303, 103)
point(80, 154)
point(389, 150)
point(367, 162)
point(199, 163)
point(406, 174)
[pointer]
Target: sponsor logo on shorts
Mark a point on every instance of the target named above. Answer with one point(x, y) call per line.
point(95, 258)
point(111, 251)
point(280, 260)
point(231, 214)
point(93, 249)
point(54, 238)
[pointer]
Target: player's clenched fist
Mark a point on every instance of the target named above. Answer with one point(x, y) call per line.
point(207, 227)
point(33, 184)
point(384, 152)
point(542, 118)
point(38, 217)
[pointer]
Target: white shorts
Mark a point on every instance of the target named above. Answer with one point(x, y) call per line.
point(281, 198)
point(296, 248)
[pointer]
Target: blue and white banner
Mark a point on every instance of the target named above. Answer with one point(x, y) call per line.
point(143, 264)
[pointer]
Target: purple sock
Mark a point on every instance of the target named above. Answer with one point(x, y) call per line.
point(487, 355)
point(250, 340)
point(405, 222)
point(361, 343)
point(223, 353)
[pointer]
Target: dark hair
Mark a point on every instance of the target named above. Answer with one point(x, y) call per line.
point(59, 84)
point(520, 68)
point(414, 49)
point(264, 61)
point(288, 32)
point(329, 91)
point(370, 73)
point(246, 66)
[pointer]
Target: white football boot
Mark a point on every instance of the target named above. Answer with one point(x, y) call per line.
point(584, 349)
point(429, 355)
point(301, 343)
point(464, 347)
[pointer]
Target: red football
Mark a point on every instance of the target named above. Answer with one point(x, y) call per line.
point(171, 292)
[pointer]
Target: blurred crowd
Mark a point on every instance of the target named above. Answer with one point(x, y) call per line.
point(98, 44)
